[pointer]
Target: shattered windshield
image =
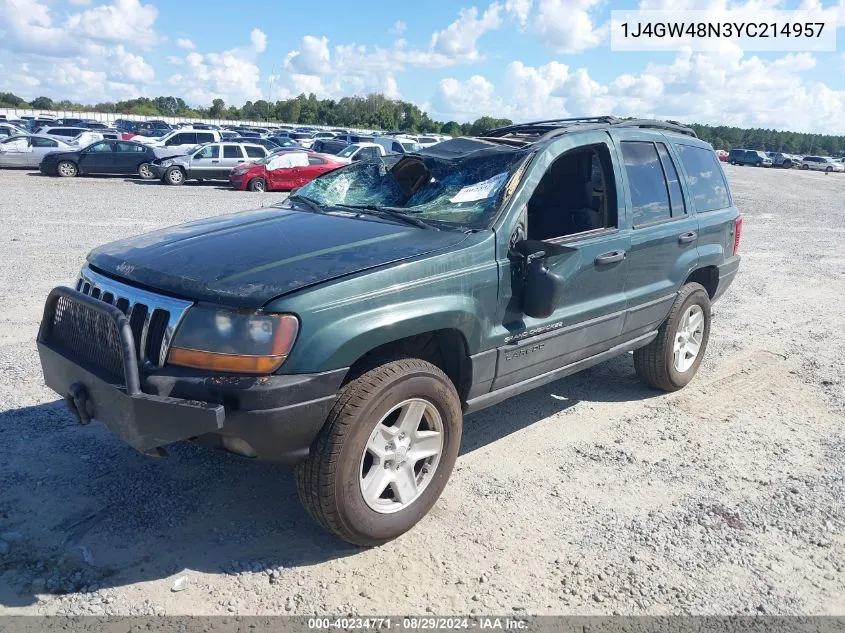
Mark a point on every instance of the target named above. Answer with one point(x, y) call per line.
point(463, 190)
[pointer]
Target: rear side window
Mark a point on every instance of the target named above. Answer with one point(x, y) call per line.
point(313, 160)
point(675, 196)
point(43, 142)
point(254, 152)
point(232, 151)
point(705, 178)
point(649, 193)
point(205, 137)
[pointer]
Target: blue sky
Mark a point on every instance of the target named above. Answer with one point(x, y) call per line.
point(522, 59)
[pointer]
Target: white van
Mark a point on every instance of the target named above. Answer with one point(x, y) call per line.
point(397, 144)
point(181, 139)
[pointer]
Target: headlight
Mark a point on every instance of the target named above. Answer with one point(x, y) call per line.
point(238, 342)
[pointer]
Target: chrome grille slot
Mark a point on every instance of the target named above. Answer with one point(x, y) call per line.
point(153, 318)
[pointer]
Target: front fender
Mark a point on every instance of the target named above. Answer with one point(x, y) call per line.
point(342, 342)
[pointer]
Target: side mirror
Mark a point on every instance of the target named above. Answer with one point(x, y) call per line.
point(542, 290)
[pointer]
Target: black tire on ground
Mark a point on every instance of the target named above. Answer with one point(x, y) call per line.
point(174, 176)
point(67, 169)
point(805, 167)
point(654, 362)
point(828, 170)
point(257, 184)
point(145, 172)
point(733, 162)
point(328, 482)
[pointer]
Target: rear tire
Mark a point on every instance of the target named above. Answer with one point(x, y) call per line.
point(258, 185)
point(352, 483)
point(67, 169)
point(667, 362)
point(174, 176)
point(805, 167)
point(828, 170)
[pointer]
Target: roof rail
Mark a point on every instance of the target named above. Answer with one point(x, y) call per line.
point(544, 130)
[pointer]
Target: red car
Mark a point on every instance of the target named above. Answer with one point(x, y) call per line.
point(722, 154)
point(283, 170)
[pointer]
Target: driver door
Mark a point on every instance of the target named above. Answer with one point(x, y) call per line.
point(98, 159)
point(589, 257)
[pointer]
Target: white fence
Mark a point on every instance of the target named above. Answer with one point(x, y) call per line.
point(109, 117)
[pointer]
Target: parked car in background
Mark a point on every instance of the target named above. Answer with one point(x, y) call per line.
point(270, 144)
point(227, 135)
point(361, 151)
point(103, 157)
point(821, 163)
point(329, 146)
point(786, 161)
point(154, 128)
point(68, 121)
point(397, 144)
point(27, 150)
point(183, 139)
point(305, 139)
point(63, 133)
point(213, 161)
point(356, 138)
point(749, 157)
point(284, 142)
point(283, 171)
point(7, 129)
point(722, 155)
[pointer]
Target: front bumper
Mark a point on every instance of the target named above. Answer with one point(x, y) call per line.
point(272, 417)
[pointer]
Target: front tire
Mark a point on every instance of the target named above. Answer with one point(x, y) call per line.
point(384, 454)
point(145, 171)
point(258, 185)
point(672, 359)
point(174, 176)
point(67, 169)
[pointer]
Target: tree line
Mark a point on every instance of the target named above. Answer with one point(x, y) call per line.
point(378, 112)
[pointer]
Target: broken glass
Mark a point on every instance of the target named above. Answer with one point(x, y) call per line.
point(463, 189)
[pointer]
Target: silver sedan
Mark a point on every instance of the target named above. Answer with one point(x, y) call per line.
point(27, 150)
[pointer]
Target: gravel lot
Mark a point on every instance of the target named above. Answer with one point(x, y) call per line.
point(593, 495)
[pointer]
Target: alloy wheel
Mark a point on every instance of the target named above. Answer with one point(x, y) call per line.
point(401, 456)
point(688, 338)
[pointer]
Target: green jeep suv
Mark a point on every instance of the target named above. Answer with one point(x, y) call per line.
point(350, 328)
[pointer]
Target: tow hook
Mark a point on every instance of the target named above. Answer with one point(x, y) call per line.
point(79, 404)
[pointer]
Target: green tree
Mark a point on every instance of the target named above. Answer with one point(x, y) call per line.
point(217, 108)
point(43, 103)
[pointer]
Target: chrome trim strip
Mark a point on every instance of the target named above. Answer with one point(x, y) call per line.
point(176, 307)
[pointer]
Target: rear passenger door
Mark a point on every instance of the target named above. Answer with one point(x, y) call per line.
point(708, 193)
point(128, 158)
point(664, 231)
point(232, 157)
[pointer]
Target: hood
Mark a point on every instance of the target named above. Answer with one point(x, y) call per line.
point(247, 259)
point(163, 153)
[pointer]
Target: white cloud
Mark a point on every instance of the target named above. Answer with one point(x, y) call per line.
point(258, 39)
point(458, 40)
point(398, 28)
point(519, 9)
point(567, 26)
point(80, 3)
point(232, 75)
point(692, 88)
point(120, 21)
point(312, 57)
point(185, 43)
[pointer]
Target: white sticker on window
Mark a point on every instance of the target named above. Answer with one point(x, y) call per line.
point(480, 190)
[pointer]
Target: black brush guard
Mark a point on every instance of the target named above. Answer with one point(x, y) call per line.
point(88, 356)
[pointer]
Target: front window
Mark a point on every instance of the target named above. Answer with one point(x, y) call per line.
point(347, 152)
point(209, 151)
point(463, 191)
point(410, 146)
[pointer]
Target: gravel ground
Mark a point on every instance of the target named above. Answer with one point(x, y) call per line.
point(593, 495)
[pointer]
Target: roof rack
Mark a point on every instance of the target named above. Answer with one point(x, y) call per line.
point(543, 130)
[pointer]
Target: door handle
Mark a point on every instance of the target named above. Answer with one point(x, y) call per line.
point(610, 257)
point(215, 161)
point(240, 161)
point(686, 238)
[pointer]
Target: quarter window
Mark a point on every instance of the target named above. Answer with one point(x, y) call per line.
point(675, 196)
point(649, 191)
point(313, 160)
point(705, 178)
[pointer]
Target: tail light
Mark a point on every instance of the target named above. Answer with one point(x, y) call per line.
point(737, 234)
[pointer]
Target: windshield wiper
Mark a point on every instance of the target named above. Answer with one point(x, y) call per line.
point(391, 213)
point(308, 202)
